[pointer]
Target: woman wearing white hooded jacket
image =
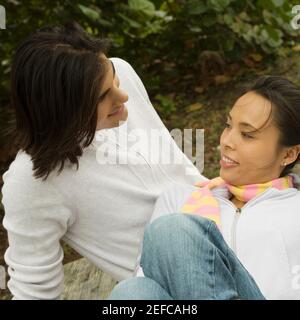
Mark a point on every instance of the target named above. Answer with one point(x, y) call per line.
point(239, 236)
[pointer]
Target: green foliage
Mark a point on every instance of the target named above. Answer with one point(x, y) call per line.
point(165, 104)
point(151, 34)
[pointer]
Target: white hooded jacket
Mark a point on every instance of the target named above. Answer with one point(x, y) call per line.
point(264, 234)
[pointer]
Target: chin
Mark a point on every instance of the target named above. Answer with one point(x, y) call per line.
point(118, 124)
point(122, 119)
point(114, 123)
point(229, 178)
point(125, 115)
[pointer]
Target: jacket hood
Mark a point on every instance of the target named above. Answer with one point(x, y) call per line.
point(296, 180)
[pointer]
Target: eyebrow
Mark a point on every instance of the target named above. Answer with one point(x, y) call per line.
point(106, 92)
point(244, 124)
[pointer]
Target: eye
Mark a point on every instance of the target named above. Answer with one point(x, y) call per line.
point(247, 135)
point(100, 99)
point(227, 125)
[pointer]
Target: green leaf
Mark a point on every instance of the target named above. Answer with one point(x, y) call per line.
point(265, 4)
point(273, 33)
point(228, 44)
point(132, 23)
point(195, 7)
point(90, 13)
point(229, 19)
point(278, 3)
point(166, 104)
point(209, 20)
point(195, 29)
point(219, 5)
point(144, 6)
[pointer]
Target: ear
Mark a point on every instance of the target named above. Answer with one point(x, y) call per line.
point(291, 155)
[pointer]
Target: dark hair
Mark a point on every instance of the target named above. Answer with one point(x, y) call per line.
point(285, 109)
point(56, 77)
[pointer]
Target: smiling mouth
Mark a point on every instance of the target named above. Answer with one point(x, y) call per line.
point(116, 111)
point(227, 163)
point(228, 160)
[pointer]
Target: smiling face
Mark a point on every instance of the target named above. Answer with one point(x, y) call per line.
point(111, 108)
point(257, 155)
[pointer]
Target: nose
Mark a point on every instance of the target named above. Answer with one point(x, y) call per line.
point(123, 96)
point(227, 139)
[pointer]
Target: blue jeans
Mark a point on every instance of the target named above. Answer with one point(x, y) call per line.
point(185, 257)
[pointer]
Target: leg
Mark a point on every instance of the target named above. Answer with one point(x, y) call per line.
point(138, 288)
point(188, 257)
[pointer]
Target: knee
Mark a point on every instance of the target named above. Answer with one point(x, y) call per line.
point(163, 230)
point(125, 290)
point(138, 288)
point(166, 231)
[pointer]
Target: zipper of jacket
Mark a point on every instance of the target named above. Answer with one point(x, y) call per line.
point(237, 215)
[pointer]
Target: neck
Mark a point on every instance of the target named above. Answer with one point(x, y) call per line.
point(236, 202)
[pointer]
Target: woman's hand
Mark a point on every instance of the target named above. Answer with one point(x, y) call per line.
point(211, 184)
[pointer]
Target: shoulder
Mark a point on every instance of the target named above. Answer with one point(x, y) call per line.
point(175, 195)
point(178, 190)
point(295, 197)
point(171, 199)
point(20, 172)
point(21, 189)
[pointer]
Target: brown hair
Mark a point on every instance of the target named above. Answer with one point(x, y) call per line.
point(56, 79)
point(285, 109)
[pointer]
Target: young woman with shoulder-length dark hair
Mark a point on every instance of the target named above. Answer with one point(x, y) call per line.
point(71, 105)
point(55, 92)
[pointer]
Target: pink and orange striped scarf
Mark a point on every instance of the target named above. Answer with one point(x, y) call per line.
point(203, 203)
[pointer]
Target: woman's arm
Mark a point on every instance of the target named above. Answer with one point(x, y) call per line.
point(35, 220)
point(34, 256)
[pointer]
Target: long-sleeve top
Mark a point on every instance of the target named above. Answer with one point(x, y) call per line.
point(101, 209)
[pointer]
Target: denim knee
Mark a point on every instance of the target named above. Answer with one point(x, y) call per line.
point(138, 288)
point(171, 224)
point(166, 231)
point(126, 289)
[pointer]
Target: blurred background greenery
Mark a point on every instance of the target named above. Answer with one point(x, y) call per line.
point(182, 49)
point(193, 56)
point(156, 35)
